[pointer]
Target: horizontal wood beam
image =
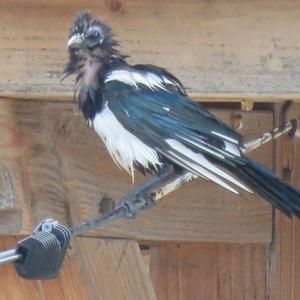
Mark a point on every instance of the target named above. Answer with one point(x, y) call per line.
point(220, 49)
point(60, 169)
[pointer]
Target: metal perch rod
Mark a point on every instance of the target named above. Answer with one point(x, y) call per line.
point(9, 256)
point(156, 187)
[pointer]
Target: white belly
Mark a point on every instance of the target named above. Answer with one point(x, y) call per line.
point(123, 146)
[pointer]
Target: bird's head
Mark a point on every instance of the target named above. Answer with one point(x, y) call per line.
point(90, 39)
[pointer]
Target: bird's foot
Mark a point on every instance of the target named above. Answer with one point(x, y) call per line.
point(141, 201)
point(147, 200)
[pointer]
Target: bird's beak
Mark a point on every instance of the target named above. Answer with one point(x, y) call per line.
point(75, 42)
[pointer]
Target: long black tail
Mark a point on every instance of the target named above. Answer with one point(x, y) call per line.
point(265, 183)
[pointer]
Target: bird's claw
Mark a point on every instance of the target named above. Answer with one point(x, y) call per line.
point(140, 202)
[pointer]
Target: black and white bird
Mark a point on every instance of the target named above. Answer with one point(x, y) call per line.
point(146, 120)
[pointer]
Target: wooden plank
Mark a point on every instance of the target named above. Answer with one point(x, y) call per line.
point(209, 271)
point(285, 263)
point(93, 269)
point(114, 269)
point(66, 174)
point(221, 49)
point(14, 216)
point(71, 282)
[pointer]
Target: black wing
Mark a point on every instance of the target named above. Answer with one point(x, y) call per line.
point(181, 130)
point(153, 106)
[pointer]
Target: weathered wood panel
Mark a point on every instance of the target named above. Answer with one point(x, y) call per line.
point(210, 271)
point(285, 267)
point(114, 269)
point(93, 269)
point(220, 49)
point(14, 211)
point(65, 174)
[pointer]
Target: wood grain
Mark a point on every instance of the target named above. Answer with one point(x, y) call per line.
point(224, 50)
point(93, 269)
point(285, 263)
point(209, 271)
point(66, 172)
point(15, 216)
point(114, 269)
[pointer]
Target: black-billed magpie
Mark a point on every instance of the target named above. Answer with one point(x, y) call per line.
point(146, 120)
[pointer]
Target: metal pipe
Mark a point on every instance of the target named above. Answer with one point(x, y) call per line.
point(9, 256)
point(97, 221)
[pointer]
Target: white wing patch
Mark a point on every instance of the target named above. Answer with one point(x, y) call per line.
point(232, 148)
point(202, 145)
point(203, 167)
point(133, 78)
point(168, 81)
point(122, 145)
point(229, 139)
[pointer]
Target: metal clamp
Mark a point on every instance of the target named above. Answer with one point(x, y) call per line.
point(40, 256)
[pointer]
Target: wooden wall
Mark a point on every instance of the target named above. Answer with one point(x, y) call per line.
point(232, 49)
point(204, 243)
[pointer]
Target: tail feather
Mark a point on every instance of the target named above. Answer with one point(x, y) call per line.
point(265, 183)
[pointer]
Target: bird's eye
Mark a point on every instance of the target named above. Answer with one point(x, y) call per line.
point(93, 34)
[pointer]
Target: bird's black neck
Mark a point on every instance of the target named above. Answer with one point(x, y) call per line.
point(91, 80)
